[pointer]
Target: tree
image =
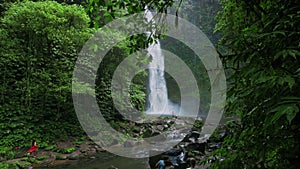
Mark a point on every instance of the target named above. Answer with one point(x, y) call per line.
point(39, 46)
point(261, 39)
point(105, 11)
point(102, 12)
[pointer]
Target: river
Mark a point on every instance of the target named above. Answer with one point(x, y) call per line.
point(102, 160)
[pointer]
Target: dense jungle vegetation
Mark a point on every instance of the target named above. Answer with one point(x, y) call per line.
point(258, 42)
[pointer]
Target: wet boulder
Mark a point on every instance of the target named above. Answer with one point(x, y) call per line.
point(196, 146)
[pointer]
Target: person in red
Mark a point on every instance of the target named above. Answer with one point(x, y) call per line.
point(33, 149)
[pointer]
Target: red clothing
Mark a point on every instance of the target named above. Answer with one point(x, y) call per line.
point(32, 149)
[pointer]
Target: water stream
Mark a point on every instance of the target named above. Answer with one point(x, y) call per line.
point(102, 160)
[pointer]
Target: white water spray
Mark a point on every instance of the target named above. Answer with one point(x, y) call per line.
point(158, 94)
point(158, 102)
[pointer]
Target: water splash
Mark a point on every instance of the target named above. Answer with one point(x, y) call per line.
point(158, 102)
point(158, 94)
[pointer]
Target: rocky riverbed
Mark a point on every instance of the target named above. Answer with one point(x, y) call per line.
point(85, 151)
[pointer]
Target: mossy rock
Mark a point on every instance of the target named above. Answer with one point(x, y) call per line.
point(78, 142)
point(92, 143)
point(198, 124)
point(74, 157)
point(60, 157)
point(23, 164)
point(67, 150)
point(40, 158)
point(31, 160)
point(51, 147)
point(135, 129)
point(24, 159)
point(83, 151)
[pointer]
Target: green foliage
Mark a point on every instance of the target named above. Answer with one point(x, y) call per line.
point(136, 87)
point(198, 124)
point(37, 59)
point(30, 160)
point(262, 50)
point(7, 153)
point(102, 12)
point(78, 142)
point(105, 11)
point(4, 165)
point(201, 13)
point(66, 151)
point(40, 158)
point(50, 147)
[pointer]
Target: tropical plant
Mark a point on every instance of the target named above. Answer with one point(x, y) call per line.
point(39, 46)
point(261, 40)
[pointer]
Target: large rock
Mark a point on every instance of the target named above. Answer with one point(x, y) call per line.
point(73, 157)
point(99, 149)
point(129, 143)
point(196, 146)
point(150, 132)
point(136, 129)
point(173, 152)
point(61, 157)
point(195, 134)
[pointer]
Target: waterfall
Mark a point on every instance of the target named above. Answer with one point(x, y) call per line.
point(158, 94)
point(158, 102)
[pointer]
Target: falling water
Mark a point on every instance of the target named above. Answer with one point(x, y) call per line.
point(158, 95)
point(158, 102)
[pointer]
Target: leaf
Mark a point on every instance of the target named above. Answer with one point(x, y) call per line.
point(289, 110)
point(291, 115)
point(290, 81)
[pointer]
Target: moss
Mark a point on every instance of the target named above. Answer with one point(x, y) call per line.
point(21, 164)
point(67, 150)
point(78, 142)
point(4, 165)
point(51, 147)
point(40, 158)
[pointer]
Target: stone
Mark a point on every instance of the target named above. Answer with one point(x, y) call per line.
point(114, 142)
point(147, 133)
point(155, 132)
point(136, 129)
point(192, 140)
point(60, 157)
point(196, 146)
point(91, 151)
point(83, 151)
point(73, 157)
point(160, 127)
point(99, 149)
point(215, 146)
point(195, 134)
point(173, 152)
point(129, 143)
point(2, 159)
